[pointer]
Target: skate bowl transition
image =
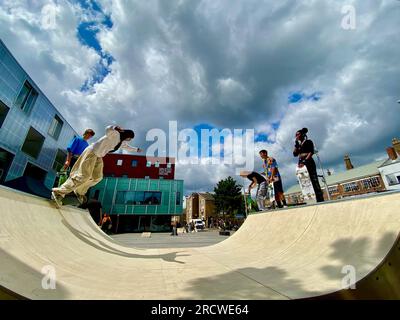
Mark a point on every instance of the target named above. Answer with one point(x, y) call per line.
point(300, 253)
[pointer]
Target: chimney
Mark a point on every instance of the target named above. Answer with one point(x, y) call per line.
point(391, 153)
point(347, 162)
point(396, 145)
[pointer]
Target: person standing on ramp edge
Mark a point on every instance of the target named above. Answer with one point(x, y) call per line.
point(304, 149)
point(88, 169)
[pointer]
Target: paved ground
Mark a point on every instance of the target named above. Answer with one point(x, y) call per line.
point(165, 240)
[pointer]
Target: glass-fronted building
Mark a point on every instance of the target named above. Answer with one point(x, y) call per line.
point(33, 133)
point(137, 205)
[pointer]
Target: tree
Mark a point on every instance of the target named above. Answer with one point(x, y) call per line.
point(228, 196)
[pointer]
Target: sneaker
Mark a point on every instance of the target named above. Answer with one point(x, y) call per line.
point(57, 199)
point(81, 198)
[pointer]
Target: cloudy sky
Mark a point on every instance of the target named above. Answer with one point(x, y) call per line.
point(272, 66)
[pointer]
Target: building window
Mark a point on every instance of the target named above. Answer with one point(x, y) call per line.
point(59, 160)
point(147, 177)
point(3, 112)
point(55, 127)
point(124, 176)
point(27, 97)
point(161, 178)
point(35, 172)
point(168, 165)
point(148, 164)
point(393, 179)
point(138, 197)
point(371, 183)
point(351, 187)
point(333, 189)
point(119, 162)
point(33, 143)
point(6, 158)
point(178, 198)
point(134, 163)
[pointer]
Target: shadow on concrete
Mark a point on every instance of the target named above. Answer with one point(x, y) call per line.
point(244, 284)
point(20, 270)
point(382, 281)
point(347, 250)
point(279, 284)
point(103, 246)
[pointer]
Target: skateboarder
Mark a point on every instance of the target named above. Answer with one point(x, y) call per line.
point(273, 177)
point(88, 170)
point(304, 149)
point(75, 148)
point(261, 183)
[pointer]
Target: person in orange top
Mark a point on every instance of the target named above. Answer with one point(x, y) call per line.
point(106, 223)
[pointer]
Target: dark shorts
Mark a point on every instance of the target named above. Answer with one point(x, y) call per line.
point(278, 186)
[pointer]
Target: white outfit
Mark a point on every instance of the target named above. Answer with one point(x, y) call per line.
point(88, 170)
point(108, 142)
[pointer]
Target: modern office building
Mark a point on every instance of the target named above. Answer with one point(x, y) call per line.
point(139, 193)
point(33, 133)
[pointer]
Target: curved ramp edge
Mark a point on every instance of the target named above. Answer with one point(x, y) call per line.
point(297, 253)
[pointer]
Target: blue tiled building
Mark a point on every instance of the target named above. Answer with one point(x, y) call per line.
point(33, 140)
point(33, 133)
point(138, 205)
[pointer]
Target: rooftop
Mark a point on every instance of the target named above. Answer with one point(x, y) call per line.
point(389, 162)
point(357, 173)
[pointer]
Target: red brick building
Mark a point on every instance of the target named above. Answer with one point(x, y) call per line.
point(140, 167)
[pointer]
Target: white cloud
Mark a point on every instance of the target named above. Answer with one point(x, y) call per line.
point(232, 93)
point(229, 64)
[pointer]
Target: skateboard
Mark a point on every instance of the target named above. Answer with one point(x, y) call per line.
point(271, 193)
point(71, 200)
point(305, 184)
point(63, 176)
point(68, 200)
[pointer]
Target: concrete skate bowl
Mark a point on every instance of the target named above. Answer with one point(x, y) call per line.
point(302, 253)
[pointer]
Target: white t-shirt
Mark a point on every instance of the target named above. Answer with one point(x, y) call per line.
point(108, 142)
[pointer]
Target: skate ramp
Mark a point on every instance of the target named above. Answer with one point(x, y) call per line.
point(296, 253)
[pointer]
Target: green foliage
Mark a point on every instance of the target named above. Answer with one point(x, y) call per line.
point(228, 196)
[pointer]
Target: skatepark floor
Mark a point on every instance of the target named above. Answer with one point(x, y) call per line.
point(165, 240)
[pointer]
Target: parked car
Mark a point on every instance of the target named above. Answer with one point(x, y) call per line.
point(199, 224)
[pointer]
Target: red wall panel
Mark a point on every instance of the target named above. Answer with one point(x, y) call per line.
point(141, 170)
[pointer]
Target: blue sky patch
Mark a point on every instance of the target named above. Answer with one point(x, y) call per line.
point(87, 35)
point(297, 97)
point(261, 138)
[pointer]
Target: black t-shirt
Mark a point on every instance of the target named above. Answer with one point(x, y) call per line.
point(259, 177)
point(306, 147)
